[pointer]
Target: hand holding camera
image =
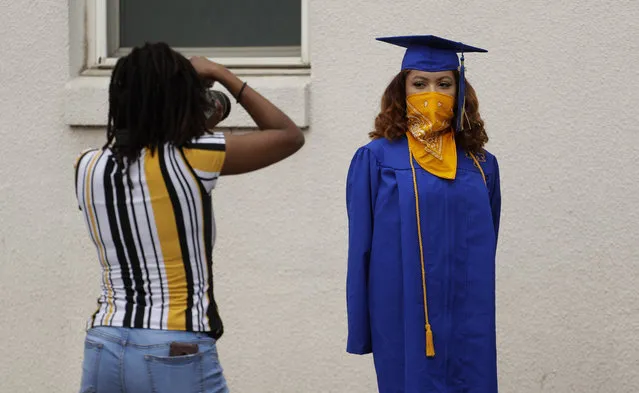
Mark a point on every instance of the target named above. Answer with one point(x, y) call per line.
point(220, 104)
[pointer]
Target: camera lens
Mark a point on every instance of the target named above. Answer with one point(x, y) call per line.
point(220, 105)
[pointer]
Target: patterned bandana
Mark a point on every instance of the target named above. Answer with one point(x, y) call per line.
point(428, 114)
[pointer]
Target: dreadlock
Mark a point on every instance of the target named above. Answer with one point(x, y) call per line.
point(155, 97)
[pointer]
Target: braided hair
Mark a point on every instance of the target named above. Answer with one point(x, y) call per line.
point(155, 97)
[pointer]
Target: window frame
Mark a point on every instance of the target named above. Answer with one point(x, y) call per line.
point(98, 31)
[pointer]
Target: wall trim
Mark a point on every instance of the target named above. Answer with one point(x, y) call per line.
point(86, 100)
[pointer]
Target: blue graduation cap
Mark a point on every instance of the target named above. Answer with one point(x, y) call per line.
point(433, 54)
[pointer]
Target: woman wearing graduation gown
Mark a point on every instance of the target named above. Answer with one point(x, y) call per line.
point(423, 202)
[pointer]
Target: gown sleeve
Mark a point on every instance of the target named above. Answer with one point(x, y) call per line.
point(361, 191)
point(495, 198)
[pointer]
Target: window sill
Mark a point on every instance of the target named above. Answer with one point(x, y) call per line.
point(86, 99)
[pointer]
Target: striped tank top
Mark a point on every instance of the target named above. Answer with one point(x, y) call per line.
point(154, 234)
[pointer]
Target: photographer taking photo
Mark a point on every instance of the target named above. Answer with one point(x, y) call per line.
point(145, 197)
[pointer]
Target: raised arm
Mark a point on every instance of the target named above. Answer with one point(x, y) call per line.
point(278, 138)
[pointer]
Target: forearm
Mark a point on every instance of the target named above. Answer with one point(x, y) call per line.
point(280, 137)
point(262, 111)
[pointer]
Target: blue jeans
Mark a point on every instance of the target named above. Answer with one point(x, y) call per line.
point(123, 360)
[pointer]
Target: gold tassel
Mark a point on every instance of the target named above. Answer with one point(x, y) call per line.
point(430, 345)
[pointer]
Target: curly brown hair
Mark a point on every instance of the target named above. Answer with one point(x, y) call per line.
point(391, 122)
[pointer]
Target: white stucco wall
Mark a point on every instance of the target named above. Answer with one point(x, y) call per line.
point(558, 91)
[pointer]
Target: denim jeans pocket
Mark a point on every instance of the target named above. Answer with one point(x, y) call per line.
point(90, 366)
point(169, 374)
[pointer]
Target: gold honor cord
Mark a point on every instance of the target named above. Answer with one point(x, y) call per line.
point(430, 345)
point(483, 176)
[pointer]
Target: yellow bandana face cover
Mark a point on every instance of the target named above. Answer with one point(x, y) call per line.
point(428, 115)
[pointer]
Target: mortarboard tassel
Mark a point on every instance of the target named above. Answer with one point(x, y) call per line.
point(461, 99)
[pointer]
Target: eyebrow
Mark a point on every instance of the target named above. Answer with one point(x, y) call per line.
point(426, 79)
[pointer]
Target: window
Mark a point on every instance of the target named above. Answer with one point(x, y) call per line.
point(238, 33)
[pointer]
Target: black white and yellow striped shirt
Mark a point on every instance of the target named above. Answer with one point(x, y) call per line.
point(154, 239)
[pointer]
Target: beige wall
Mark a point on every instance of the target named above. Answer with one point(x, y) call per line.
point(559, 95)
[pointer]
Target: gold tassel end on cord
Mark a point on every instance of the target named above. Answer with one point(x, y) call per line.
point(430, 345)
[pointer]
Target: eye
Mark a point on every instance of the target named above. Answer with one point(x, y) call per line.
point(419, 84)
point(445, 85)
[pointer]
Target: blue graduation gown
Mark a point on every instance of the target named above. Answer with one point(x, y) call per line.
point(460, 223)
